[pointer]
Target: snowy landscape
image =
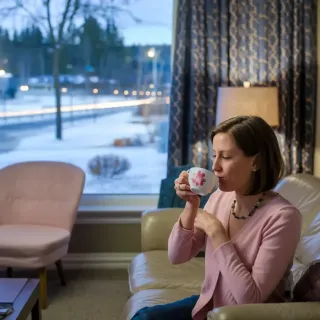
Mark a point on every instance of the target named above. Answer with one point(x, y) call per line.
point(86, 138)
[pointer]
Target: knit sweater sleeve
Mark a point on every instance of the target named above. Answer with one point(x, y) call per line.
point(279, 240)
point(185, 244)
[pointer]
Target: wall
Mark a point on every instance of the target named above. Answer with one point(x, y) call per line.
point(98, 238)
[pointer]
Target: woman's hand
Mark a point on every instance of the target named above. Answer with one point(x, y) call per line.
point(182, 187)
point(212, 227)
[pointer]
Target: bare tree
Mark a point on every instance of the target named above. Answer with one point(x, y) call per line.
point(57, 18)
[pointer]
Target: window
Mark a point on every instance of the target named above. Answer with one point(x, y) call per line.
point(95, 95)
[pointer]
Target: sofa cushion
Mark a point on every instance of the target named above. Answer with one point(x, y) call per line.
point(153, 270)
point(152, 297)
point(302, 190)
point(308, 249)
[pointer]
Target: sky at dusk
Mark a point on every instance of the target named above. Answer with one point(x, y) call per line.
point(156, 28)
point(156, 18)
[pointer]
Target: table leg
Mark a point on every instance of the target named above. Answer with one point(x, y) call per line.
point(36, 311)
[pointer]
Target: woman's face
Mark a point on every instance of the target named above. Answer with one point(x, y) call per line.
point(230, 165)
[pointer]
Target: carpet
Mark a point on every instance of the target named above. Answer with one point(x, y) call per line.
point(90, 294)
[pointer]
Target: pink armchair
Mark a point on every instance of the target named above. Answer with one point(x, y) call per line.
point(38, 207)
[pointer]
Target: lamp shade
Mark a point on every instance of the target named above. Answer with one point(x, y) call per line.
point(254, 101)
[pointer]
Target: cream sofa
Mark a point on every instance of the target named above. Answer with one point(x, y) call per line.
point(153, 280)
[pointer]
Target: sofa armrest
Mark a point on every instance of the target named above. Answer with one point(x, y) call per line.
point(156, 226)
point(267, 311)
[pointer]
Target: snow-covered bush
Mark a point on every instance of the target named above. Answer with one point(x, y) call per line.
point(108, 166)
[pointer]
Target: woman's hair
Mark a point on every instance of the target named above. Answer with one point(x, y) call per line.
point(255, 137)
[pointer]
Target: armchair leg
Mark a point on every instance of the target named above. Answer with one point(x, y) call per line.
point(43, 287)
point(60, 272)
point(9, 272)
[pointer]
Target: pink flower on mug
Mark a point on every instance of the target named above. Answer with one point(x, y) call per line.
point(199, 178)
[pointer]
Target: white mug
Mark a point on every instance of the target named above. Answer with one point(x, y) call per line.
point(202, 181)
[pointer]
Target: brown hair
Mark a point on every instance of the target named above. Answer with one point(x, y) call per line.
point(255, 137)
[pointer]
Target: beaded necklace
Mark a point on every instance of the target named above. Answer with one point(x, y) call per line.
point(251, 212)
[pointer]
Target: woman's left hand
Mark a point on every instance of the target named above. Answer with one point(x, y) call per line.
point(211, 226)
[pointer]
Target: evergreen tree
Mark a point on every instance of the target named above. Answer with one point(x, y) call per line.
point(113, 51)
point(5, 45)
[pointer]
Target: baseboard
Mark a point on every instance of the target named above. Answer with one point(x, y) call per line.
point(107, 260)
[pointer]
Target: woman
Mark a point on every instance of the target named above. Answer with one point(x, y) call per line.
point(249, 232)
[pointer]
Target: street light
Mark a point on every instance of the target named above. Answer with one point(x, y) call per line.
point(152, 54)
point(95, 91)
point(2, 72)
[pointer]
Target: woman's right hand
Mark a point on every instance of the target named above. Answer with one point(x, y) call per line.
point(182, 187)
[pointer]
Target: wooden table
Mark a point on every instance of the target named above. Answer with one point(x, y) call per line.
point(27, 301)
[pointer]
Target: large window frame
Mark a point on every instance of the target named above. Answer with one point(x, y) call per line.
point(125, 203)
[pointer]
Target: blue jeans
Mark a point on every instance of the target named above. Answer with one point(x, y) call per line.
point(178, 310)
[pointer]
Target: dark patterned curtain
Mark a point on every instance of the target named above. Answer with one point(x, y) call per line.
point(227, 42)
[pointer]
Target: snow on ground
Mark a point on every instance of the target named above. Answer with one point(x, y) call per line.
point(85, 139)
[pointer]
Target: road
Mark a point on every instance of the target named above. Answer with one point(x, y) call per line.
point(42, 117)
point(37, 122)
point(13, 127)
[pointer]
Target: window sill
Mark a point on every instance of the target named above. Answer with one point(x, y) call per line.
point(119, 202)
point(114, 209)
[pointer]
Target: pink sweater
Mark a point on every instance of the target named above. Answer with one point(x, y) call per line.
point(251, 267)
